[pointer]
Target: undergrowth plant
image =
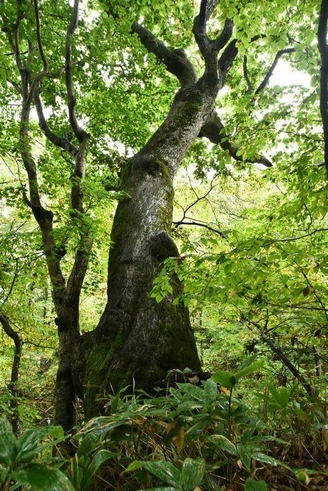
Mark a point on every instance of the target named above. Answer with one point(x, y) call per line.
point(193, 437)
point(185, 438)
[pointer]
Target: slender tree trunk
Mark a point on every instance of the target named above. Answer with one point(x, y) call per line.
point(17, 339)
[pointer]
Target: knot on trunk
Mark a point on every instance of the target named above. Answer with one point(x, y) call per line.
point(163, 246)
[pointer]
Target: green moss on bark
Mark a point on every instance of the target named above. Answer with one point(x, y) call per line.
point(96, 367)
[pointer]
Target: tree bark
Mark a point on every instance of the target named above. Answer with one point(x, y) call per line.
point(138, 340)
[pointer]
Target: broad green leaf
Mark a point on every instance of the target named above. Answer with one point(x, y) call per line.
point(226, 379)
point(245, 453)
point(165, 471)
point(8, 444)
point(267, 459)
point(223, 443)
point(41, 478)
point(281, 395)
point(192, 473)
point(210, 391)
point(248, 368)
point(30, 443)
point(98, 459)
point(252, 485)
point(303, 476)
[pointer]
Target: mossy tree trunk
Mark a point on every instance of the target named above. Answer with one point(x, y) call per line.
point(137, 339)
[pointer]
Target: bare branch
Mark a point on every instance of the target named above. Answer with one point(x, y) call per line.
point(292, 239)
point(283, 358)
point(200, 224)
point(273, 66)
point(38, 35)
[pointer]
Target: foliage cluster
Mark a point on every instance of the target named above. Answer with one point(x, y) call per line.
point(186, 438)
point(255, 278)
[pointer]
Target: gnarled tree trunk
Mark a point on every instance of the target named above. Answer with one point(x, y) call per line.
point(138, 340)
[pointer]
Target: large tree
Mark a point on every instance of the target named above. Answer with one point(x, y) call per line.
point(89, 84)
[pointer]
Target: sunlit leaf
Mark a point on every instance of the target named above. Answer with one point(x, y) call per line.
point(226, 379)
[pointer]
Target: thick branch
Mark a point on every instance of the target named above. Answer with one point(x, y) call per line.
point(214, 130)
point(63, 143)
point(79, 133)
point(206, 9)
point(323, 48)
point(178, 64)
point(210, 48)
point(228, 56)
point(81, 261)
point(246, 76)
point(17, 338)
point(225, 35)
point(78, 176)
point(175, 60)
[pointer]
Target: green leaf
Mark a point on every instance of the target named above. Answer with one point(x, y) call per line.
point(8, 444)
point(192, 473)
point(210, 391)
point(162, 488)
point(226, 379)
point(248, 368)
point(42, 478)
point(281, 395)
point(165, 471)
point(29, 445)
point(98, 459)
point(224, 444)
point(252, 485)
point(246, 454)
point(266, 459)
